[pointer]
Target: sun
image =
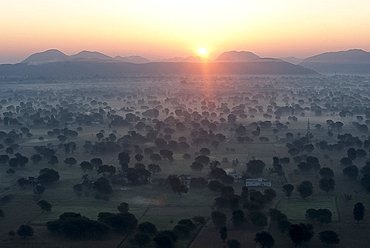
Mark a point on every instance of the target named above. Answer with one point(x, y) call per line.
point(202, 51)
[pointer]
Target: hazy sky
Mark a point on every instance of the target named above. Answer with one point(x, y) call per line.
point(169, 28)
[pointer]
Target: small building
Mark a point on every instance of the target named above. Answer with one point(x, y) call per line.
point(258, 182)
point(237, 177)
point(185, 180)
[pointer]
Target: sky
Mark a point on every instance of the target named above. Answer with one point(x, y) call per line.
point(173, 28)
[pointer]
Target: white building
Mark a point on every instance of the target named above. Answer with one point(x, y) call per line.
point(185, 180)
point(257, 182)
point(237, 177)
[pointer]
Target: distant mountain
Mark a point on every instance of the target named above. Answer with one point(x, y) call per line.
point(116, 69)
point(48, 56)
point(89, 55)
point(191, 59)
point(292, 60)
point(132, 59)
point(196, 59)
point(354, 61)
point(234, 56)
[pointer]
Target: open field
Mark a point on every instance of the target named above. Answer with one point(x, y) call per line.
point(158, 203)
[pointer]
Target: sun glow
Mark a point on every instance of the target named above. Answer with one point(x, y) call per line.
point(202, 51)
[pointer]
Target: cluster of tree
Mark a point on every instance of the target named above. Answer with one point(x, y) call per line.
point(323, 216)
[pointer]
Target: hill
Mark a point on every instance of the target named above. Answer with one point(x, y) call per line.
point(354, 61)
point(132, 59)
point(234, 56)
point(114, 69)
point(48, 56)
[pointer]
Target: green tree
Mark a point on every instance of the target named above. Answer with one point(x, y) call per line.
point(329, 237)
point(255, 167)
point(238, 218)
point(70, 161)
point(283, 226)
point(258, 219)
point(45, 206)
point(288, 190)
point(301, 233)
point(305, 189)
point(327, 184)
point(147, 228)
point(233, 243)
point(141, 239)
point(24, 231)
point(218, 218)
point(123, 207)
point(223, 233)
point(358, 211)
point(264, 239)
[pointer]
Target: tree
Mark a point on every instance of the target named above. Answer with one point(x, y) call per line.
point(288, 190)
point(217, 173)
point(124, 160)
point(301, 233)
point(283, 226)
point(45, 206)
point(270, 192)
point(24, 231)
point(258, 219)
point(311, 214)
point(351, 154)
point(182, 230)
point(103, 186)
point(196, 166)
point(139, 157)
point(70, 161)
point(155, 157)
point(358, 212)
point(48, 176)
point(305, 189)
point(264, 239)
point(154, 168)
point(96, 162)
point(215, 186)
point(223, 233)
point(202, 159)
point(54, 160)
point(205, 151)
point(141, 239)
point(255, 167)
point(147, 228)
point(221, 202)
point(123, 207)
point(238, 218)
point(176, 185)
point(163, 240)
point(218, 218)
point(326, 172)
point(351, 171)
point(327, 184)
point(36, 158)
point(86, 165)
point(4, 159)
point(323, 216)
point(329, 237)
point(232, 243)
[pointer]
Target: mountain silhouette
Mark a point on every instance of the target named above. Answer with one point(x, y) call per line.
point(89, 55)
point(354, 61)
point(234, 56)
point(51, 55)
point(132, 59)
